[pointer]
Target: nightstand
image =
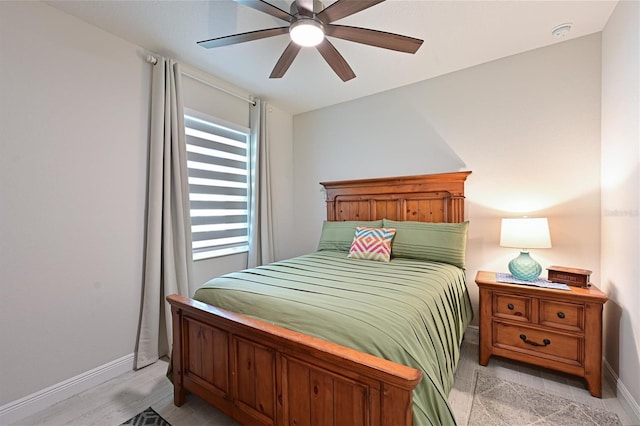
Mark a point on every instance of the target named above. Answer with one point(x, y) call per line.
point(556, 329)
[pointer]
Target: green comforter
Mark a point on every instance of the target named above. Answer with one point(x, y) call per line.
point(409, 311)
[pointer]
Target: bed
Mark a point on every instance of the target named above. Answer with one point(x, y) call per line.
point(326, 339)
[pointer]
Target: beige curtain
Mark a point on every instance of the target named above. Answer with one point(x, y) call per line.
point(261, 244)
point(168, 256)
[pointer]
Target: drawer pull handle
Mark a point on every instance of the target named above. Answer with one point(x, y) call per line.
point(561, 315)
point(510, 306)
point(545, 342)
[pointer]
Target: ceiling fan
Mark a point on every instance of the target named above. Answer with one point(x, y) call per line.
point(309, 25)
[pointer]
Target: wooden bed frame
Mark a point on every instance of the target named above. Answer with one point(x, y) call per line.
point(258, 373)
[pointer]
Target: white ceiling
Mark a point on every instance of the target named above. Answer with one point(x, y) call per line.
point(456, 34)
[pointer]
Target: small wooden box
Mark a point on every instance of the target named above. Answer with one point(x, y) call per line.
point(570, 276)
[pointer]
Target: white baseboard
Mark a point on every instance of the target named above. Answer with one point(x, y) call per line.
point(31, 404)
point(627, 401)
point(474, 329)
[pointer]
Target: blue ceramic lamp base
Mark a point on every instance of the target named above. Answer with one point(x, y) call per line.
point(524, 267)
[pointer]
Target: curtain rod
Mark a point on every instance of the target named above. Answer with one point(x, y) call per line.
point(153, 60)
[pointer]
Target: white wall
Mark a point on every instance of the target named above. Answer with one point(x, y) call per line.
point(527, 126)
point(73, 164)
point(73, 173)
point(621, 193)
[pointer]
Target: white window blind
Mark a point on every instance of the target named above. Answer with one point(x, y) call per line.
point(218, 163)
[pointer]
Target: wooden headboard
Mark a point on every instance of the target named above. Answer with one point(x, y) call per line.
point(424, 198)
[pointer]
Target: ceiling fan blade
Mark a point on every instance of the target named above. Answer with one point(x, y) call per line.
point(243, 37)
point(343, 8)
point(267, 8)
point(375, 38)
point(305, 7)
point(285, 61)
point(335, 60)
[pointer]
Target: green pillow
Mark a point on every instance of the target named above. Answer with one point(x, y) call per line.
point(338, 236)
point(438, 242)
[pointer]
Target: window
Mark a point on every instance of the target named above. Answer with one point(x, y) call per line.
point(218, 163)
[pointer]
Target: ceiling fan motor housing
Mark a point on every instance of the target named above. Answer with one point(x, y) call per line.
point(318, 7)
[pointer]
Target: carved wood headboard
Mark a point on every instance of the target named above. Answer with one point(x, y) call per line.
point(423, 198)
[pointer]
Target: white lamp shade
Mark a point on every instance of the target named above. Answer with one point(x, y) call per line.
point(525, 233)
point(306, 32)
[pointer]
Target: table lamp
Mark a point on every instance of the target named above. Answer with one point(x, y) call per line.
point(525, 233)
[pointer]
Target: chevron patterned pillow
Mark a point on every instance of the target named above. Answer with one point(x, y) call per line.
point(372, 244)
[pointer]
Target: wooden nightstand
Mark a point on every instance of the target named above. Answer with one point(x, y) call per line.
point(556, 329)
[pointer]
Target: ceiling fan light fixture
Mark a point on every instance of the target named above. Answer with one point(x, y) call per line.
point(306, 32)
point(308, 24)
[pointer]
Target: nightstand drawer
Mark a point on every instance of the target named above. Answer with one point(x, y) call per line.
point(567, 316)
point(512, 307)
point(540, 343)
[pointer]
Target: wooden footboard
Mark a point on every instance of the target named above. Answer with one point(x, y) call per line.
point(259, 373)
